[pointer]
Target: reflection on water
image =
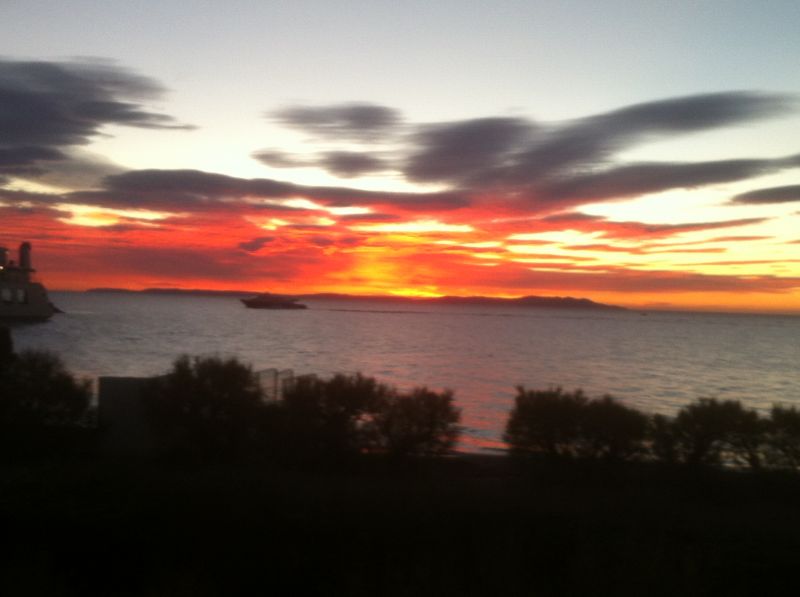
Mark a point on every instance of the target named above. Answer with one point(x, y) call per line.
point(656, 363)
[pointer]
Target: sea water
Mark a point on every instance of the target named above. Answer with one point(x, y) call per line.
point(655, 361)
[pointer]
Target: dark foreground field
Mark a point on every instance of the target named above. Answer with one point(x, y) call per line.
point(463, 526)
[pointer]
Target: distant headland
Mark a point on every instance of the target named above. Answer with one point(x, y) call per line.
point(544, 302)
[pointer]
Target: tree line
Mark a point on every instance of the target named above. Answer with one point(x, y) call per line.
point(557, 425)
point(210, 408)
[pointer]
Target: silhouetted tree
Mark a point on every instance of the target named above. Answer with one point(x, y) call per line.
point(663, 439)
point(612, 431)
point(708, 428)
point(43, 407)
point(747, 436)
point(546, 422)
point(335, 417)
point(420, 423)
point(206, 408)
point(783, 428)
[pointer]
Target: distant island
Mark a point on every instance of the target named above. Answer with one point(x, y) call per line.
point(544, 302)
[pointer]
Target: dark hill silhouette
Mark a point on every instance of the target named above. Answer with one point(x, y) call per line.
point(545, 302)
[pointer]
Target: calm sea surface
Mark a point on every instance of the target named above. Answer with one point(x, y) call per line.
point(656, 362)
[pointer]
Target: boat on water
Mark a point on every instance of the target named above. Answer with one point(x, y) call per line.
point(267, 300)
point(22, 296)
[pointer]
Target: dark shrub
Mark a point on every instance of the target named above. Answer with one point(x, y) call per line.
point(546, 422)
point(612, 431)
point(43, 407)
point(205, 408)
point(784, 437)
point(663, 439)
point(701, 429)
point(708, 429)
point(333, 418)
point(421, 423)
point(747, 436)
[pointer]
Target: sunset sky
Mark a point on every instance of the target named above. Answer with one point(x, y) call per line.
point(645, 154)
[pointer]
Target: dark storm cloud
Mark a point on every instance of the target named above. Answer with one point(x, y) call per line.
point(639, 179)
point(458, 150)
point(510, 152)
point(345, 197)
point(26, 161)
point(26, 155)
point(19, 209)
point(251, 246)
point(187, 188)
point(281, 159)
point(353, 121)
point(503, 165)
point(121, 200)
point(527, 166)
point(46, 106)
point(784, 194)
point(595, 139)
point(65, 103)
point(348, 164)
point(79, 170)
point(27, 197)
point(196, 183)
point(691, 113)
point(195, 190)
